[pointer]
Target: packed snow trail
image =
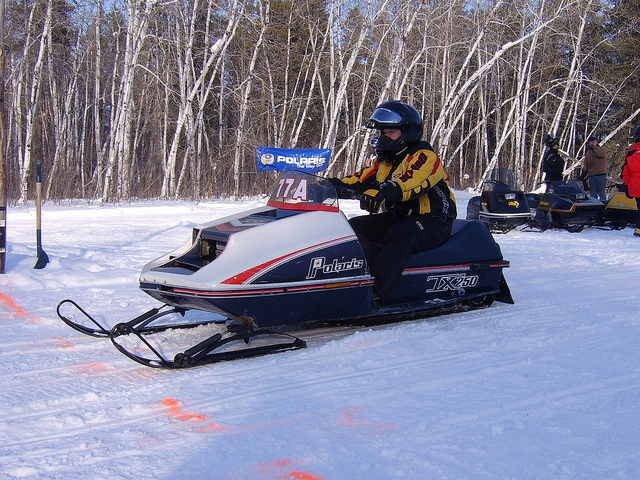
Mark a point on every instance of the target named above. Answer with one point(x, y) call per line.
point(545, 388)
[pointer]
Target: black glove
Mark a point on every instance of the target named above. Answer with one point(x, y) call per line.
point(371, 200)
point(623, 188)
point(392, 191)
point(343, 190)
point(346, 192)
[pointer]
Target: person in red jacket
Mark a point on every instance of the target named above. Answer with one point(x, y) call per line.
point(631, 175)
point(409, 180)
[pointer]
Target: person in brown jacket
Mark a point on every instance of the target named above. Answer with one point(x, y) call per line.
point(595, 166)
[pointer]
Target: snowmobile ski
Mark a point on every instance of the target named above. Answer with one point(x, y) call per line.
point(203, 353)
point(200, 354)
point(142, 320)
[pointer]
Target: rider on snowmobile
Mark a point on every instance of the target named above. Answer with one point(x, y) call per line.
point(408, 177)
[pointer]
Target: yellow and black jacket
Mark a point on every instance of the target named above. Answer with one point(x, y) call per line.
point(416, 184)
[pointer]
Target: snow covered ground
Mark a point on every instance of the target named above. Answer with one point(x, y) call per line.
point(548, 388)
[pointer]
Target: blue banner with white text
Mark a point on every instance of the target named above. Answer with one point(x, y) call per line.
point(310, 160)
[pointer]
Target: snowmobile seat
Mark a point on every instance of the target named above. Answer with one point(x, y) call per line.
point(470, 241)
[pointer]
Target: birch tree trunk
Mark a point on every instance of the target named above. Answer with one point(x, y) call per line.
point(462, 89)
point(63, 117)
point(117, 167)
point(263, 9)
point(99, 144)
point(519, 107)
point(339, 87)
point(191, 88)
point(316, 59)
point(34, 101)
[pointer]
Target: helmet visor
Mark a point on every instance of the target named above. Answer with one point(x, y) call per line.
point(384, 117)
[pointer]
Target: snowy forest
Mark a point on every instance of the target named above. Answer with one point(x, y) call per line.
point(125, 99)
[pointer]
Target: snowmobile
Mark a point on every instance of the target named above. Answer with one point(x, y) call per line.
point(564, 205)
point(620, 211)
point(502, 205)
point(292, 263)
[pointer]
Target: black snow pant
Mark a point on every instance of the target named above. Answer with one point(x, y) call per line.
point(389, 242)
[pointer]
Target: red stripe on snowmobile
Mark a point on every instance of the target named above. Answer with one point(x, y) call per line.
point(329, 285)
point(303, 206)
point(206, 293)
point(501, 265)
point(448, 268)
point(439, 268)
point(248, 275)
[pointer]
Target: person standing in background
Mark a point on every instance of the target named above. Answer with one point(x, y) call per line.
point(631, 176)
point(595, 166)
point(552, 162)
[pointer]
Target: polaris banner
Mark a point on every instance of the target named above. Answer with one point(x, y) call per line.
point(281, 159)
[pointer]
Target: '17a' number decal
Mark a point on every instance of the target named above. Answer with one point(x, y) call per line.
point(288, 189)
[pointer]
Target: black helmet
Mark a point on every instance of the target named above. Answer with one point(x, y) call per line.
point(396, 114)
point(551, 140)
point(637, 134)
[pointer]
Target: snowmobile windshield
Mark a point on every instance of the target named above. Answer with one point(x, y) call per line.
point(301, 191)
point(502, 179)
point(569, 188)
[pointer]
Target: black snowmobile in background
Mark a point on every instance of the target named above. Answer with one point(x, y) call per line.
point(564, 205)
point(502, 205)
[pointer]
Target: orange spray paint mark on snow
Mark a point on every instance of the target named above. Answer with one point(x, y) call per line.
point(176, 412)
point(63, 343)
point(374, 428)
point(285, 470)
point(13, 306)
point(16, 309)
point(211, 427)
point(91, 368)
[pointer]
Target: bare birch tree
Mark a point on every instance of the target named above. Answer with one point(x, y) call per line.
point(34, 97)
point(157, 98)
point(118, 161)
point(262, 21)
point(191, 83)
